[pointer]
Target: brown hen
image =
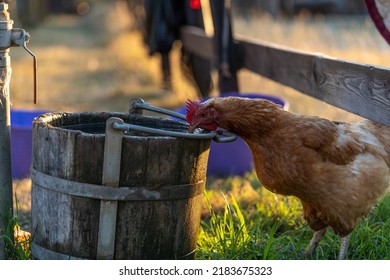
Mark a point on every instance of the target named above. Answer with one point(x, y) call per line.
point(337, 170)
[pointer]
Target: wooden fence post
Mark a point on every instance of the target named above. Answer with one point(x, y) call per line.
point(224, 46)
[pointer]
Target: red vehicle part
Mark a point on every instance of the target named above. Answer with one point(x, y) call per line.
point(380, 14)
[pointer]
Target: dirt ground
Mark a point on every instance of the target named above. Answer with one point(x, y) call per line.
point(98, 62)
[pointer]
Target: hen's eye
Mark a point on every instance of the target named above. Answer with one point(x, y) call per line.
point(202, 115)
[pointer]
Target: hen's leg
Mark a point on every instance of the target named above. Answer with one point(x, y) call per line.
point(314, 241)
point(343, 247)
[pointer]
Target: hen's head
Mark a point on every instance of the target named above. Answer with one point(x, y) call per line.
point(201, 115)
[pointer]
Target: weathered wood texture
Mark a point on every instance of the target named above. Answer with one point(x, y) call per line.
point(195, 40)
point(358, 88)
point(68, 224)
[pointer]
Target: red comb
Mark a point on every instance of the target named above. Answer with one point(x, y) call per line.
point(191, 108)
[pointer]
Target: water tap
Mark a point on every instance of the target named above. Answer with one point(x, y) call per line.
point(10, 37)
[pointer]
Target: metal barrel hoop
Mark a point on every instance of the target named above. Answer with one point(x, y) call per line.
point(219, 136)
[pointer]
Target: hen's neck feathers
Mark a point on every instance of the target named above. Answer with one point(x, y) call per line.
point(247, 117)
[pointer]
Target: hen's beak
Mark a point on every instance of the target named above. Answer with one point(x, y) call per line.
point(192, 127)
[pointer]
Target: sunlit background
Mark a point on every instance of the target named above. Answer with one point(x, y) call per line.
point(97, 60)
point(92, 57)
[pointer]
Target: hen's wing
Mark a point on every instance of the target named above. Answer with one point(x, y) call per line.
point(336, 142)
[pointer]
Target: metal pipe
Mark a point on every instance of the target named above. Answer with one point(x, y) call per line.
point(219, 136)
point(9, 37)
point(138, 103)
point(136, 107)
point(6, 202)
point(6, 207)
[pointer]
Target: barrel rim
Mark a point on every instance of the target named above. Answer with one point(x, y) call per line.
point(73, 118)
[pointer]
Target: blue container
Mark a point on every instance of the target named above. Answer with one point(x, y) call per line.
point(21, 141)
point(234, 158)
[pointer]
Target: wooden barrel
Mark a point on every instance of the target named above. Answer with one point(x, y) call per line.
point(158, 199)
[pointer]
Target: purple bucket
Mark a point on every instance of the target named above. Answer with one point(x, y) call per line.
point(234, 158)
point(21, 141)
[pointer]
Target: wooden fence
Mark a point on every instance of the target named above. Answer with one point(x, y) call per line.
point(358, 88)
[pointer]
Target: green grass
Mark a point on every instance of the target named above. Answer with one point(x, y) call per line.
point(273, 228)
point(243, 220)
point(16, 242)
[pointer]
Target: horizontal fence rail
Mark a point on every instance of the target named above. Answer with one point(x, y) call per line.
point(358, 88)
